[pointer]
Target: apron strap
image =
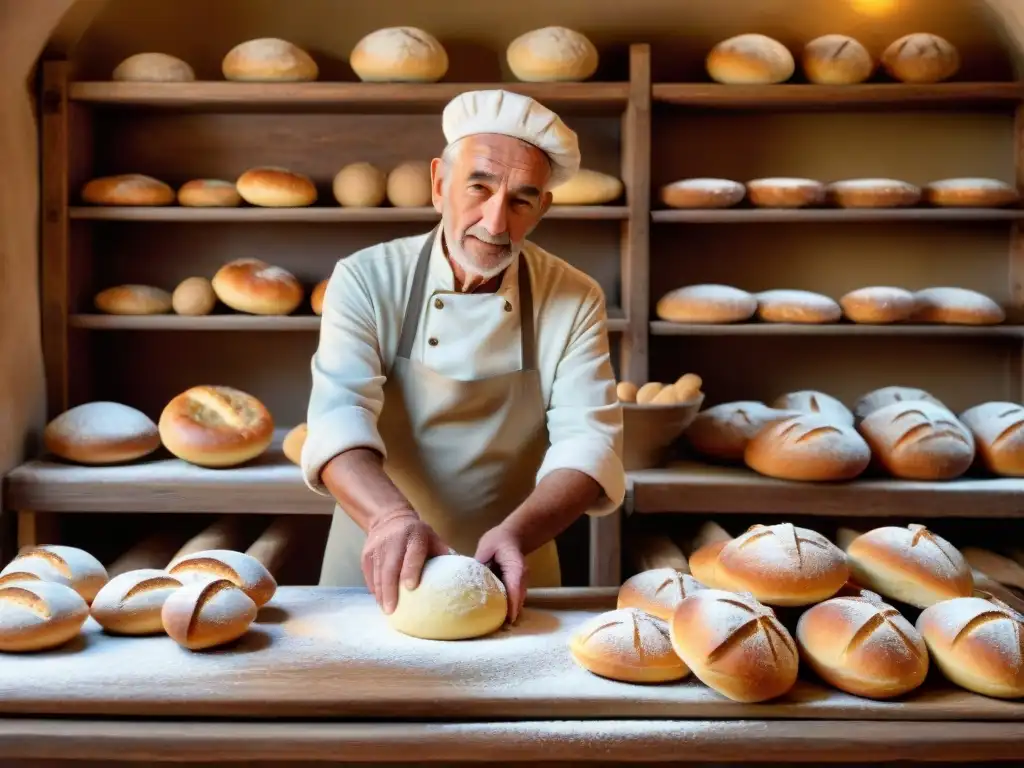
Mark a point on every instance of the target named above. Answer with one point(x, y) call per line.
point(528, 342)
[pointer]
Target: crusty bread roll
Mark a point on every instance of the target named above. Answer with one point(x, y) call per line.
point(458, 598)
point(133, 300)
point(921, 58)
point(878, 304)
point(911, 564)
point(255, 287)
point(360, 185)
point(792, 306)
point(955, 306)
point(70, 566)
point(971, 193)
point(587, 187)
point(101, 432)
point(209, 193)
point(627, 645)
point(750, 59)
point(879, 398)
point(127, 189)
point(707, 303)
point(130, 604)
point(216, 426)
point(918, 440)
point(862, 646)
point(39, 615)
point(626, 391)
point(399, 54)
point(408, 185)
point(703, 193)
point(977, 643)
point(271, 186)
point(810, 401)
point(998, 437)
point(734, 645)
point(245, 572)
point(723, 431)
point(269, 60)
point(153, 68)
point(293, 442)
point(872, 193)
point(837, 60)
point(194, 296)
point(207, 613)
point(316, 298)
point(783, 192)
point(657, 592)
point(704, 563)
point(552, 54)
point(813, 447)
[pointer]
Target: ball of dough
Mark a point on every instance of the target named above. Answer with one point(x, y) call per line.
point(837, 60)
point(399, 54)
point(154, 68)
point(458, 598)
point(209, 193)
point(552, 54)
point(750, 60)
point(587, 188)
point(360, 185)
point(267, 60)
point(193, 296)
point(921, 58)
point(101, 433)
point(408, 185)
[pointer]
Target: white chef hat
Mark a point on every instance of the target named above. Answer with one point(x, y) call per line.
point(512, 114)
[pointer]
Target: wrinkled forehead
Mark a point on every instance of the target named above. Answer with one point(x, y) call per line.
point(497, 157)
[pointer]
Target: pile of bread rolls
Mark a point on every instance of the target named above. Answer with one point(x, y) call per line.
point(684, 390)
point(200, 600)
point(711, 303)
point(754, 59)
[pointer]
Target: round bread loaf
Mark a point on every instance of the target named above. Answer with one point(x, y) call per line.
point(657, 592)
point(734, 645)
point(971, 193)
point(704, 564)
point(790, 306)
point(552, 54)
point(130, 603)
point(878, 305)
point(39, 615)
point(153, 68)
point(269, 60)
point(837, 60)
point(955, 306)
point(244, 571)
point(812, 447)
point(60, 564)
point(781, 192)
point(750, 59)
point(587, 187)
point(209, 193)
point(399, 54)
point(707, 303)
point(912, 565)
point(293, 442)
point(101, 432)
point(127, 189)
point(626, 391)
point(133, 300)
point(918, 440)
point(207, 613)
point(703, 193)
point(316, 299)
point(274, 187)
point(458, 598)
point(408, 185)
point(862, 646)
point(998, 436)
point(872, 193)
point(879, 398)
point(978, 643)
point(723, 431)
point(921, 58)
point(216, 426)
point(194, 296)
point(627, 645)
point(360, 185)
point(255, 287)
point(810, 401)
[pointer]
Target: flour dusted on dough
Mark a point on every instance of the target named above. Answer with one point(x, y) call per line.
point(100, 421)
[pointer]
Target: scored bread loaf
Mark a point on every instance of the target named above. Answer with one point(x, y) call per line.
point(703, 193)
point(872, 193)
point(61, 564)
point(213, 426)
point(837, 60)
point(255, 287)
point(998, 436)
point(244, 571)
point(750, 59)
point(657, 592)
point(552, 54)
point(921, 58)
point(270, 186)
point(133, 300)
point(879, 398)
point(810, 447)
point(792, 306)
point(39, 615)
point(408, 185)
point(587, 187)
point(194, 296)
point(153, 67)
point(207, 613)
point(269, 59)
point(918, 440)
point(399, 54)
point(704, 564)
point(878, 304)
point(627, 645)
point(723, 431)
point(130, 603)
point(101, 432)
point(127, 189)
point(784, 192)
point(707, 303)
point(811, 401)
point(209, 193)
point(955, 306)
point(971, 193)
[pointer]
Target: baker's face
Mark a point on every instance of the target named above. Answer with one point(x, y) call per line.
point(491, 196)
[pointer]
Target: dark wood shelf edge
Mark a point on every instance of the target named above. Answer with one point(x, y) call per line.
point(315, 214)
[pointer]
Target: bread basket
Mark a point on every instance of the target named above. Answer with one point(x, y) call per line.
point(649, 431)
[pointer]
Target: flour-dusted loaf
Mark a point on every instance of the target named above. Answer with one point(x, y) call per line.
point(244, 571)
point(863, 646)
point(703, 193)
point(812, 401)
point(750, 59)
point(872, 193)
point(293, 442)
point(127, 189)
point(811, 447)
point(316, 298)
point(836, 60)
point(921, 58)
point(704, 563)
point(657, 591)
point(39, 615)
point(61, 564)
point(131, 602)
point(627, 645)
point(257, 288)
point(269, 60)
point(101, 432)
point(216, 426)
point(152, 67)
point(793, 306)
point(209, 193)
point(408, 185)
point(271, 186)
point(707, 303)
point(360, 185)
point(878, 304)
point(399, 54)
point(785, 192)
point(723, 431)
point(971, 193)
point(207, 613)
point(910, 564)
point(194, 296)
point(918, 440)
point(587, 187)
point(879, 398)
point(955, 306)
point(552, 54)
point(998, 430)
point(133, 300)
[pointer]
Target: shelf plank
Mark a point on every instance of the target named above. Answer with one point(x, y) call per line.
point(315, 214)
point(663, 328)
point(696, 487)
point(833, 215)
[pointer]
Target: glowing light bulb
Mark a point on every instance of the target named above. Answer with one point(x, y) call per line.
point(875, 7)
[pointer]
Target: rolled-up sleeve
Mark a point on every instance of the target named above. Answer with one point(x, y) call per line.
point(584, 417)
point(347, 391)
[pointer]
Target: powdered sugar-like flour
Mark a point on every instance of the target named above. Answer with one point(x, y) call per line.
point(101, 420)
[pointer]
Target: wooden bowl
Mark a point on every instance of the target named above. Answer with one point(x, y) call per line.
point(648, 431)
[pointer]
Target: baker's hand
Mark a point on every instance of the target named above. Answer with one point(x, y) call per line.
point(501, 547)
point(397, 546)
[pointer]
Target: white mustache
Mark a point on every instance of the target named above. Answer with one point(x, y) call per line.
point(484, 236)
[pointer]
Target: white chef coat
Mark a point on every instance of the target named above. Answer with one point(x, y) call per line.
point(465, 336)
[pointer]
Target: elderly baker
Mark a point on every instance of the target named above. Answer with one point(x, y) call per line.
point(463, 396)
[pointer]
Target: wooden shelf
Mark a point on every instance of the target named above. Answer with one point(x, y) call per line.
point(314, 214)
point(663, 328)
point(834, 215)
point(696, 487)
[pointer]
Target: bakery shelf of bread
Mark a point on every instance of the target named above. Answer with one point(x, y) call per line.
point(832, 215)
point(665, 328)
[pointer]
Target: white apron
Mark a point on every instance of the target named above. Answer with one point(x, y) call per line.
point(464, 453)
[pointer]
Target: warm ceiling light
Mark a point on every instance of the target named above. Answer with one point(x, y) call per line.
point(875, 7)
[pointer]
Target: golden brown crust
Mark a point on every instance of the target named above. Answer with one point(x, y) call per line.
point(209, 193)
point(812, 447)
point(399, 54)
point(998, 429)
point(836, 60)
point(706, 303)
point(785, 192)
point(657, 592)
point(918, 440)
point(703, 193)
point(878, 305)
point(244, 571)
point(971, 193)
point(879, 398)
point(216, 426)
point(921, 58)
point(796, 306)
point(61, 564)
point(207, 613)
point(38, 615)
point(872, 193)
point(127, 189)
point(130, 603)
point(273, 187)
point(723, 431)
point(269, 59)
point(255, 287)
point(133, 300)
point(293, 442)
point(316, 299)
point(152, 67)
point(552, 54)
point(750, 59)
point(704, 564)
point(627, 645)
point(958, 306)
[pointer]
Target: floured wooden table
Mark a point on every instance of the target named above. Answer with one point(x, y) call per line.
point(326, 660)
